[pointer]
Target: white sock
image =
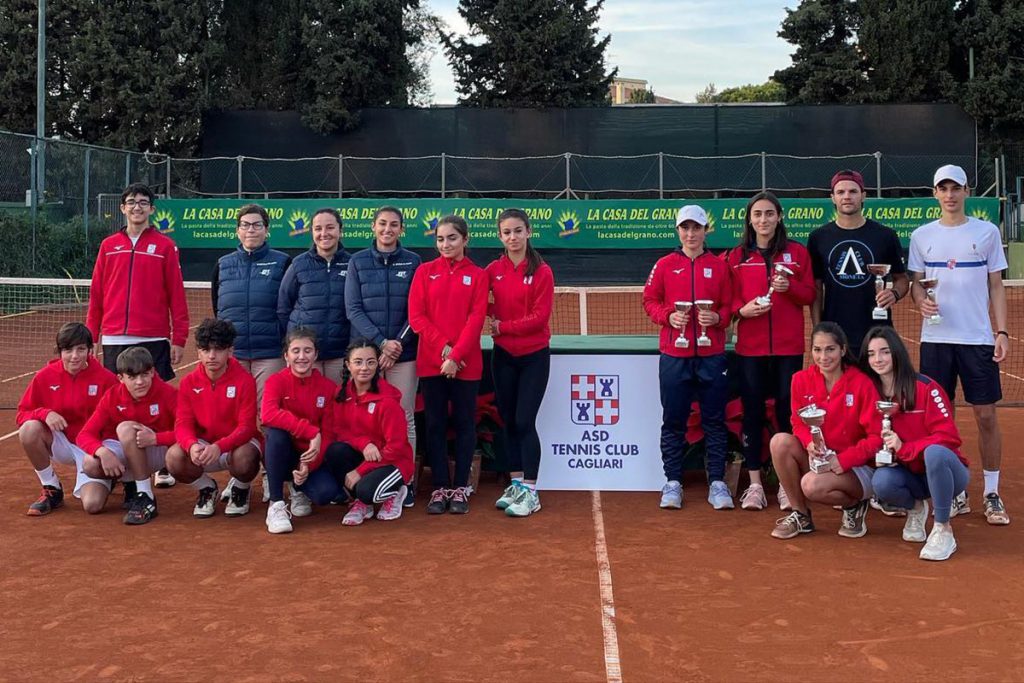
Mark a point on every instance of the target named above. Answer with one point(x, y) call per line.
point(991, 481)
point(145, 486)
point(205, 481)
point(531, 485)
point(241, 485)
point(47, 477)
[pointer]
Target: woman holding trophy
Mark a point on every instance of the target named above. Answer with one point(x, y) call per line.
point(835, 436)
point(772, 283)
point(921, 457)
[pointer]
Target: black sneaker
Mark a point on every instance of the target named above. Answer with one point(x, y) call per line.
point(142, 509)
point(854, 523)
point(130, 491)
point(410, 497)
point(459, 504)
point(205, 502)
point(238, 502)
point(438, 502)
point(49, 500)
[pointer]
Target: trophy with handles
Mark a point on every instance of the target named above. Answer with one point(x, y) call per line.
point(681, 341)
point(814, 417)
point(704, 305)
point(884, 457)
point(879, 270)
point(930, 284)
point(780, 271)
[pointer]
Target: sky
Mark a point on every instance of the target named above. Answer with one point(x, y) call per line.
point(677, 46)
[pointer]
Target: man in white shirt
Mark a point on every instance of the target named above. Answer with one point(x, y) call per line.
point(965, 255)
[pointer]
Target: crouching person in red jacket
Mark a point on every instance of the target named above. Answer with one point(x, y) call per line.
point(215, 427)
point(127, 437)
point(369, 457)
point(851, 429)
point(924, 443)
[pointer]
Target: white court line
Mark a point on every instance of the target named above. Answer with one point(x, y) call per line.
point(7, 436)
point(612, 666)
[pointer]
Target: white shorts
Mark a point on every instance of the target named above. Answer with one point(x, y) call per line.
point(64, 452)
point(155, 459)
point(222, 462)
point(864, 473)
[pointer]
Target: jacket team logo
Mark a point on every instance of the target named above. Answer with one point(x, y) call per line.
point(569, 223)
point(594, 399)
point(951, 263)
point(298, 223)
point(164, 221)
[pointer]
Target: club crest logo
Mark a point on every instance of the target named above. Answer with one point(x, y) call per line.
point(231, 391)
point(164, 222)
point(594, 399)
point(154, 409)
point(847, 263)
point(430, 222)
point(298, 223)
point(951, 263)
point(569, 223)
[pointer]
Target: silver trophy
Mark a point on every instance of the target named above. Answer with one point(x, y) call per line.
point(814, 417)
point(681, 341)
point(879, 270)
point(780, 271)
point(704, 305)
point(883, 458)
point(930, 284)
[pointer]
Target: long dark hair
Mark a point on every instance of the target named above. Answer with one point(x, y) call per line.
point(904, 384)
point(836, 332)
point(779, 239)
point(346, 376)
point(533, 258)
point(457, 222)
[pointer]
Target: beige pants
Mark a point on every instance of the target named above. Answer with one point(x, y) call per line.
point(261, 370)
point(331, 369)
point(403, 377)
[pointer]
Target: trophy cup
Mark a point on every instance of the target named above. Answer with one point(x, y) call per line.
point(681, 341)
point(780, 270)
point(883, 458)
point(814, 417)
point(704, 305)
point(929, 285)
point(879, 270)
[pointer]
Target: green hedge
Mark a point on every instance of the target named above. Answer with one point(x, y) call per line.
point(61, 248)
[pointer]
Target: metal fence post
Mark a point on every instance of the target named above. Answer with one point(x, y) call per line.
point(33, 150)
point(878, 173)
point(127, 169)
point(443, 172)
point(85, 196)
point(568, 182)
point(341, 176)
point(240, 176)
point(764, 171)
point(168, 171)
point(661, 175)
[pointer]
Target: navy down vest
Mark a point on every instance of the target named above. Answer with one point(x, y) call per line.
point(377, 296)
point(313, 294)
point(246, 294)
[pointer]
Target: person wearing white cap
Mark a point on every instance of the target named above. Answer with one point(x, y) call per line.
point(965, 255)
point(692, 345)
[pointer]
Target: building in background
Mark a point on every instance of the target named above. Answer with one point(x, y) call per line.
point(622, 90)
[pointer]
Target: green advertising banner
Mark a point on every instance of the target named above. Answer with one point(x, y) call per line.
point(565, 224)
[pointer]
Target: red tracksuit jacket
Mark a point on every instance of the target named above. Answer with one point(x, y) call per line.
point(376, 418)
point(134, 287)
point(930, 422)
point(780, 331)
point(522, 304)
point(447, 305)
point(221, 412)
point(677, 277)
point(852, 424)
point(155, 410)
point(298, 405)
point(73, 397)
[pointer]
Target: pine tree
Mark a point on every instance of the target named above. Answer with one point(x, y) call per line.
point(530, 53)
point(993, 28)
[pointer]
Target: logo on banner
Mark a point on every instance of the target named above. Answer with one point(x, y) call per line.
point(430, 222)
point(569, 223)
point(594, 399)
point(164, 222)
point(298, 223)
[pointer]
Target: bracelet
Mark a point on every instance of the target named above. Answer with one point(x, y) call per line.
point(1003, 332)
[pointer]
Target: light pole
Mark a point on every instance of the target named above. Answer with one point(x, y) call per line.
point(40, 154)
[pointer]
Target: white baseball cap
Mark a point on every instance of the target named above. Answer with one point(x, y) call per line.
point(950, 172)
point(691, 212)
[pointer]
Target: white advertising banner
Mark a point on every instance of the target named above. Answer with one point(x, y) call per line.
point(600, 424)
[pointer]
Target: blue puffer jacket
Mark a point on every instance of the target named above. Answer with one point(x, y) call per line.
point(244, 291)
point(377, 295)
point(313, 294)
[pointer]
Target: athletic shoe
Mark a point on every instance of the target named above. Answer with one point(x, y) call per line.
point(265, 483)
point(888, 510)
point(51, 498)
point(206, 502)
point(410, 498)
point(854, 523)
point(525, 505)
point(226, 493)
point(141, 511)
point(278, 518)
point(509, 495)
point(301, 505)
point(793, 524)
point(753, 498)
point(784, 503)
point(164, 479)
point(718, 496)
point(671, 496)
point(238, 503)
point(357, 513)
point(917, 517)
point(941, 544)
point(961, 505)
point(459, 503)
point(391, 508)
point(130, 491)
point(438, 504)
point(995, 512)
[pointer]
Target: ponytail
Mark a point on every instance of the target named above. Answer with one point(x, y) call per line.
point(346, 376)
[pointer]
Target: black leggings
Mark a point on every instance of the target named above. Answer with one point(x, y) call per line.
point(438, 393)
point(761, 377)
point(519, 386)
point(327, 482)
point(281, 458)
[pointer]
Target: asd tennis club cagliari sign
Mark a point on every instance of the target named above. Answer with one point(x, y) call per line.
point(600, 424)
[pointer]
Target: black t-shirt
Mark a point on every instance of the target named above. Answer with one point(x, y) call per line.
point(839, 258)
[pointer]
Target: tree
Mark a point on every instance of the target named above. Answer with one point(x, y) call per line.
point(642, 96)
point(770, 91)
point(707, 95)
point(530, 53)
point(993, 28)
point(827, 66)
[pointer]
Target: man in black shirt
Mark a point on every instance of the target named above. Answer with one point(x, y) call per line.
point(840, 253)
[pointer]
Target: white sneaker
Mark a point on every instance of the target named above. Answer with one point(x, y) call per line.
point(718, 496)
point(301, 505)
point(226, 493)
point(238, 501)
point(391, 508)
point(357, 513)
point(266, 488)
point(672, 495)
point(525, 505)
point(941, 544)
point(917, 517)
point(164, 479)
point(753, 498)
point(784, 503)
point(206, 502)
point(961, 505)
point(278, 518)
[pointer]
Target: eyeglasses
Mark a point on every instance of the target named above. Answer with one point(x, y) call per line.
point(255, 226)
point(141, 203)
point(360, 363)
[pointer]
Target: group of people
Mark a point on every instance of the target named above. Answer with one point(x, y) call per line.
point(311, 366)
